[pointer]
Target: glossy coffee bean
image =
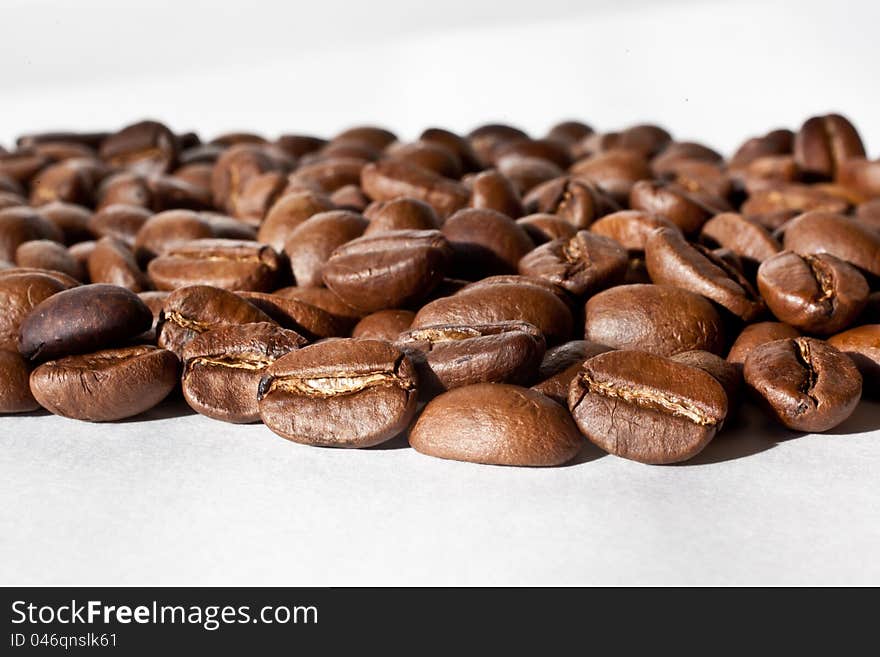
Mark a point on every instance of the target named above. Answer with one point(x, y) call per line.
point(492, 190)
point(775, 142)
point(583, 264)
point(146, 147)
point(400, 214)
point(569, 132)
point(561, 364)
point(614, 171)
point(288, 212)
point(660, 319)
point(119, 221)
point(70, 181)
point(327, 174)
point(525, 173)
point(452, 356)
point(374, 136)
point(173, 228)
point(350, 197)
point(339, 393)
point(806, 384)
point(45, 254)
point(545, 149)
point(312, 242)
point(671, 260)
point(630, 228)
point(427, 155)
point(386, 181)
point(383, 325)
point(82, 319)
point(124, 188)
point(825, 232)
point(496, 424)
point(728, 374)
point(72, 220)
point(862, 344)
point(222, 368)
point(304, 316)
point(107, 385)
point(647, 408)
point(757, 334)
point(815, 293)
point(485, 242)
point(191, 311)
point(686, 210)
point(235, 168)
point(15, 391)
point(227, 264)
point(456, 144)
point(544, 228)
point(773, 206)
point(823, 143)
point(22, 224)
point(387, 270)
point(578, 202)
point(111, 262)
point(745, 237)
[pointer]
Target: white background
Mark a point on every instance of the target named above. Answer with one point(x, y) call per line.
point(179, 499)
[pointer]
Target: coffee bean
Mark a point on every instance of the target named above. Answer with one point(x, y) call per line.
point(81, 251)
point(19, 294)
point(288, 212)
point(671, 260)
point(400, 214)
point(492, 190)
point(706, 179)
point(70, 181)
point(62, 278)
point(45, 254)
point(615, 171)
point(485, 242)
point(826, 232)
point(658, 319)
point(350, 197)
point(427, 155)
point(173, 193)
point(561, 364)
point(728, 374)
point(326, 175)
point(686, 210)
point(22, 165)
point(71, 220)
point(107, 385)
point(313, 241)
point(862, 344)
point(168, 230)
point(578, 202)
point(630, 228)
point(11, 200)
point(121, 222)
point(22, 224)
point(228, 139)
point(146, 147)
point(373, 136)
point(222, 368)
point(15, 391)
point(487, 138)
point(383, 325)
point(525, 173)
point(113, 263)
point(387, 270)
point(124, 188)
point(497, 424)
point(82, 319)
point(645, 407)
point(583, 264)
point(774, 205)
point(386, 181)
point(155, 301)
point(340, 393)
point(193, 310)
point(775, 142)
point(458, 145)
point(546, 149)
point(235, 169)
point(815, 293)
point(755, 335)
point(544, 228)
point(674, 153)
point(227, 264)
point(90, 139)
point(806, 384)
point(569, 132)
point(860, 177)
point(451, 356)
point(745, 237)
point(301, 315)
point(823, 143)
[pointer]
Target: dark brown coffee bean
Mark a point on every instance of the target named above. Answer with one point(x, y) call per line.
point(387, 270)
point(71, 181)
point(22, 224)
point(71, 220)
point(172, 229)
point(191, 311)
point(107, 385)
point(774, 205)
point(583, 264)
point(576, 201)
point(862, 344)
point(235, 169)
point(62, 278)
point(497, 424)
point(383, 325)
point(544, 228)
point(431, 156)
point(455, 143)
point(227, 264)
point(124, 188)
point(686, 210)
point(339, 393)
point(147, 147)
point(492, 190)
point(81, 251)
point(288, 212)
point(485, 242)
point(113, 263)
point(671, 260)
point(400, 214)
point(326, 175)
point(672, 155)
point(386, 181)
point(825, 232)
point(645, 407)
point(860, 177)
point(728, 374)
point(222, 368)
point(815, 293)
point(90, 139)
point(487, 138)
point(121, 222)
point(569, 132)
point(614, 171)
point(630, 228)
point(257, 196)
point(10, 200)
point(526, 173)
point(234, 138)
point(197, 174)
point(491, 303)
point(350, 197)
point(155, 301)
point(755, 335)
point(20, 293)
point(706, 179)
point(823, 143)
point(171, 192)
point(775, 142)
point(659, 319)
point(22, 165)
point(546, 149)
point(301, 316)
point(561, 364)
point(82, 319)
point(313, 241)
point(806, 384)
point(373, 136)
point(324, 299)
point(15, 391)
point(451, 356)
point(45, 254)
point(745, 237)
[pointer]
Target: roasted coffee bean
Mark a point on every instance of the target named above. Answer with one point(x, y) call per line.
point(755, 335)
point(65, 280)
point(71, 181)
point(544, 228)
point(171, 192)
point(546, 149)
point(431, 156)
point(113, 263)
point(561, 364)
point(326, 175)
point(82, 319)
point(816, 293)
point(147, 147)
point(190, 311)
point(630, 228)
point(614, 171)
point(386, 181)
point(456, 144)
point(383, 325)
point(107, 385)
point(491, 303)
point(869, 213)
point(15, 391)
point(350, 197)
point(804, 383)
point(298, 145)
point(671, 260)
point(174, 228)
point(492, 190)
point(122, 222)
point(45, 254)
point(222, 368)
point(22, 224)
point(81, 251)
point(644, 138)
point(325, 299)
point(400, 214)
point(825, 232)
point(11, 200)
point(235, 169)
point(487, 138)
point(257, 195)
point(313, 241)
point(485, 242)
point(862, 344)
point(339, 393)
point(155, 301)
point(583, 264)
point(645, 407)
point(526, 173)
point(387, 270)
point(71, 220)
point(774, 205)
point(90, 139)
point(686, 210)
point(373, 136)
point(288, 212)
point(302, 315)
point(674, 153)
point(451, 356)
point(823, 143)
point(659, 319)
point(770, 172)
point(497, 424)
point(19, 294)
point(233, 138)
point(728, 374)
point(860, 177)
point(704, 178)
point(578, 202)
point(124, 188)
point(227, 264)
point(197, 174)
point(355, 150)
point(569, 132)
point(745, 237)
point(775, 142)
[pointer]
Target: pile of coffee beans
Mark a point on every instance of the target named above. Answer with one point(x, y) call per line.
point(496, 297)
